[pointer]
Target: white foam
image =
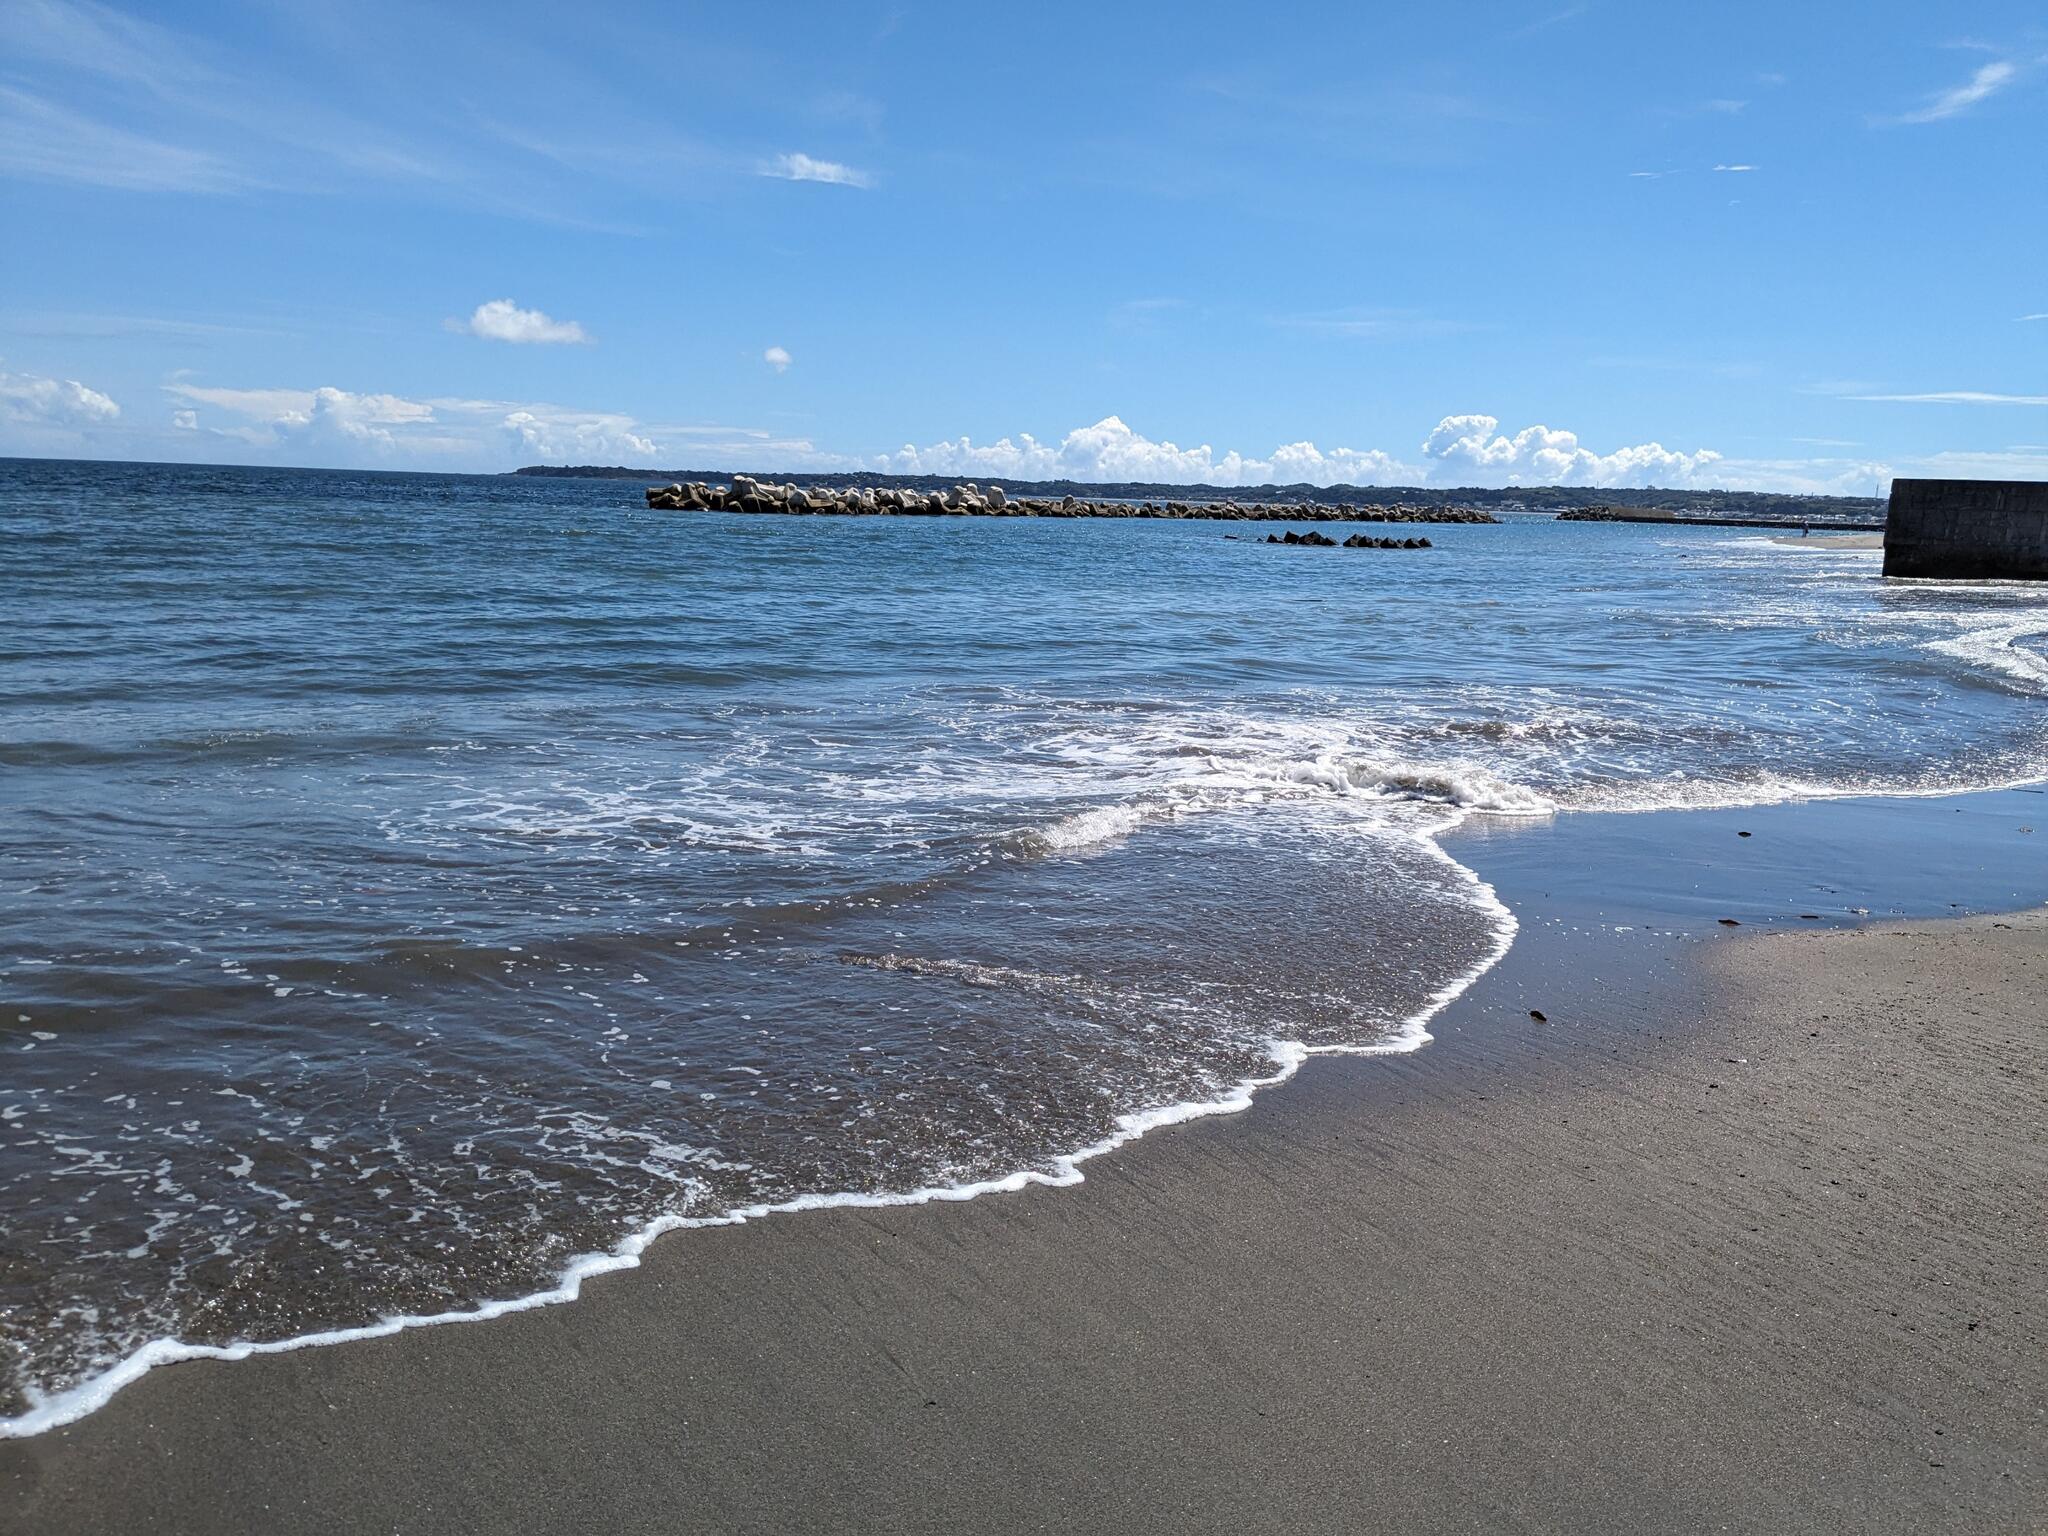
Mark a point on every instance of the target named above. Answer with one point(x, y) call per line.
point(1468, 788)
point(1185, 761)
point(1997, 647)
point(1092, 828)
point(53, 1411)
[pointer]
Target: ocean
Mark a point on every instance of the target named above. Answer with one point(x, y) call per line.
point(418, 891)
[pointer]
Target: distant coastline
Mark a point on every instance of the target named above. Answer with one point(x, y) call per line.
point(1527, 498)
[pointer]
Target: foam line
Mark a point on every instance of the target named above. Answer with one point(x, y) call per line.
point(1461, 793)
point(52, 1412)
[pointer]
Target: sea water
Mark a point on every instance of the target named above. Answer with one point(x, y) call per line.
point(415, 891)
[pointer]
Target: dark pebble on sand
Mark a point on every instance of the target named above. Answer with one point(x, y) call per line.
point(1729, 922)
point(1537, 1015)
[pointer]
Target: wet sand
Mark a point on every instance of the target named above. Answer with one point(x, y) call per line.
point(1746, 1233)
point(1833, 541)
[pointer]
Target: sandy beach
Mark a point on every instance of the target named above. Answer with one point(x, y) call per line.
point(1832, 541)
point(1743, 1233)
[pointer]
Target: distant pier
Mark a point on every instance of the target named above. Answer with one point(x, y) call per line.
point(1671, 520)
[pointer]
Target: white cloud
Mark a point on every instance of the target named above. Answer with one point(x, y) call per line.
point(2023, 461)
point(1987, 81)
point(575, 437)
point(101, 40)
point(1474, 446)
point(327, 423)
point(777, 358)
point(29, 399)
point(1735, 168)
point(800, 167)
point(2042, 316)
point(1364, 324)
point(51, 143)
point(325, 415)
point(335, 426)
point(1809, 477)
point(503, 320)
point(1957, 397)
point(1110, 450)
point(1463, 450)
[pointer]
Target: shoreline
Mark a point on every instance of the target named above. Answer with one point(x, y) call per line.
point(1289, 1057)
point(86, 1472)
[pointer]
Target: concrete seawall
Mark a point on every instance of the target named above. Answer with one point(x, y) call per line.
point(1964, 530)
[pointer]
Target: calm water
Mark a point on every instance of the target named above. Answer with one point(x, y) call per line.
point(409, 884)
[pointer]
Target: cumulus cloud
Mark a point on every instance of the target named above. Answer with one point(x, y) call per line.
point(1988, 81)
point(29, 399)
point(331, 425)
point(503, 320)
point(1463, 450)
point(1474, 445)
point(800, 167)
point(575, 437)
point(1111, 450)
point(777, 358)
point(367, 427)
point(281, 415)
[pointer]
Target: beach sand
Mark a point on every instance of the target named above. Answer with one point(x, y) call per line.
point(1832, 541)
point(1746, 1233)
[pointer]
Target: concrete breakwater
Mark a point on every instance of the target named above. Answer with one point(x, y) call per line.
point(1968, 530)
point(749, 495)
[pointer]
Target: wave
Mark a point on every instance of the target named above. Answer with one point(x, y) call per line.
point(1093, 828)
point(1186, 766)
point(1998, 647)
point(1080, 830)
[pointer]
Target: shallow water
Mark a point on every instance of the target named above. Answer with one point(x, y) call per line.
point(410, 883)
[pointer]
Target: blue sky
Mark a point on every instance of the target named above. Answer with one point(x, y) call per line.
point(1764, 246)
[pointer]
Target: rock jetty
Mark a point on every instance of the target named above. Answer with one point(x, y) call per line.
point(1314, 540)
point(746, 494)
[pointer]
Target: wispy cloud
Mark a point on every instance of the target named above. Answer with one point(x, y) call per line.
point(1545, 23)
point(1987, 81)
point(1957, 397)
point(801, 167)
point(2024, 319)
point(1734, 168)
point(503, 320)
point(1361, 324)
point(97, 39)
point(59, 325)
point(42, 140)
point(777, 358)
point(1145, 314)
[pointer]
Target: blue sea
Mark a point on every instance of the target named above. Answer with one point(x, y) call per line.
point(417, 891)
